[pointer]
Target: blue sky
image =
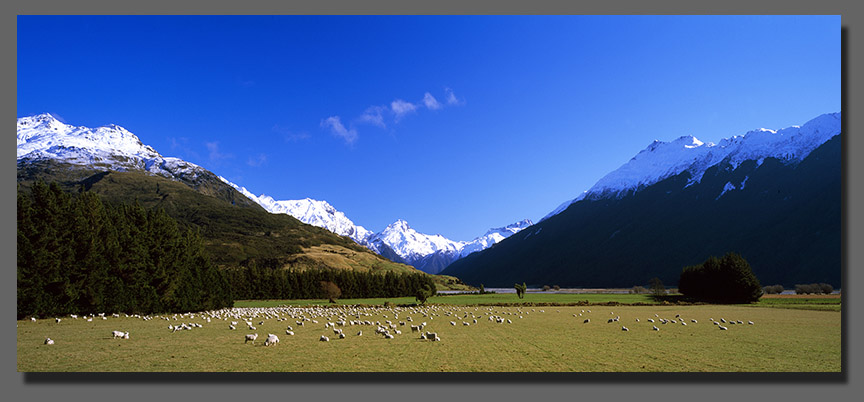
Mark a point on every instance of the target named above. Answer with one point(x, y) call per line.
point(453, 123)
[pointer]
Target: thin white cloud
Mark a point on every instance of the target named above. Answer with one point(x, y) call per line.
point(382, 115)
point(289, 135)
point(256, 161)
point(401, 108)
point(334, 123)
point(451, 98)
point(373, 115)
point(430, 102)
point(215, 154)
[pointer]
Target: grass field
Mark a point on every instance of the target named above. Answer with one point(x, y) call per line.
point(468, 299)
point(546, 339)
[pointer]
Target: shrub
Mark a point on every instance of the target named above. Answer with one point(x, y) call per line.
point(520, 290)
point(556, 287)
point(331, 291)
point(773, 289)
point(657, 287)
point(728, 279)
point(638, 290)
point(814, 288)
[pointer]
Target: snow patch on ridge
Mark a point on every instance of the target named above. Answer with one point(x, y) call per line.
point(661, 160)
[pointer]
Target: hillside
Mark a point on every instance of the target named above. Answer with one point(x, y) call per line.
point(237, 232)
point(783, 216)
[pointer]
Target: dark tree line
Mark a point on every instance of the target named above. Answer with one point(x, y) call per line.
point(728, 279)
point(79, 255)
point(256, 282)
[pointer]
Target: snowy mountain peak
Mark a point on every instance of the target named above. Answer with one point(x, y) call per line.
point(310, 211)
point(511, 228)
point(111, 147)
point(661, 160)
point(399, 225)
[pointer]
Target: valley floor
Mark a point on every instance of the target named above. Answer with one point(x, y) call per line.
point(527, 339)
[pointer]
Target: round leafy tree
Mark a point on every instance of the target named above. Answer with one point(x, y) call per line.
point(728, 279)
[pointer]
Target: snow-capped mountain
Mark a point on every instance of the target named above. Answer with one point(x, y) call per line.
point(313, 212)
point(661, 160)
point(43, 137)
point(774, 197)
point(112, 147)
point(433, 253)
point(398, 241)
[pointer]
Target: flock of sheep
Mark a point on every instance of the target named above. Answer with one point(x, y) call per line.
point(395, 319)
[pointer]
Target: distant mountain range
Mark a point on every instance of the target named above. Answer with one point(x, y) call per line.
point(113, 148)
point(397, 242)
point(773, 196)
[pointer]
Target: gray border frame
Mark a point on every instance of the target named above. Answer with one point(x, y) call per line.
point(508, 387)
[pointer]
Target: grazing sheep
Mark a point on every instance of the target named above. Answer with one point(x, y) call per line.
point(271, 339)
point(359, 333)
point(33, 319)
point(289, 332)
point(57, 320)
point(49, 341)
point(694, 321)
point(655, 328)
point(623, 328)
point(637, 320)
point(723, 328)
point(324, 339)
point(251, 328)
point(453, 323)
point(119, 334)
point(341, 336)
point(750, 322)
point(232, 327)
point(587, 320)
point(650, 320)
point(251, 337)
point(722, 320)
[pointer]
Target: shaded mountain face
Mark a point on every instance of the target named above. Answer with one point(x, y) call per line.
point(778, 206)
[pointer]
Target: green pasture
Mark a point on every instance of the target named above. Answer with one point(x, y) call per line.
point(468, 299)
point(545, 339)
point(807, 303)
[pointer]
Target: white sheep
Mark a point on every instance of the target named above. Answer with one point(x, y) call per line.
point(271, 339)
point(33, 319)
point(251, 337)
point(341, 336)
point(655, 328)
point(49, 341)
point(723, 328)
point(324, 339)
point(750, 322)
point(289, 332)
point(623, 328)
point(120, 334)
point(57, 320)
point(232, 327)
point(359, 333)
point(587, 320)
